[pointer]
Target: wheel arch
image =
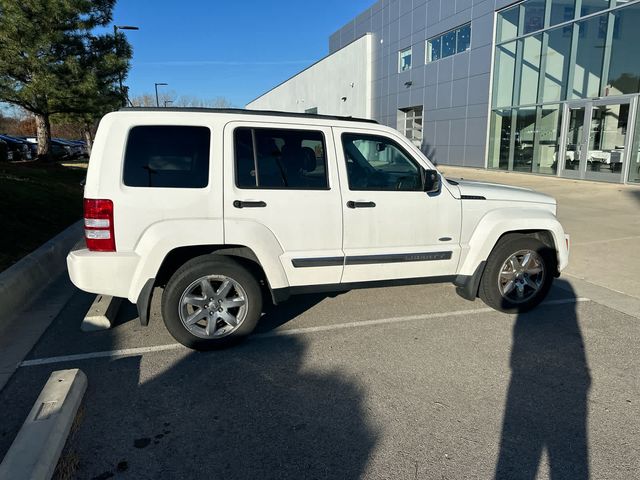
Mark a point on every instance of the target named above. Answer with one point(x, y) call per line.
point(509, 221)
point(180, 255)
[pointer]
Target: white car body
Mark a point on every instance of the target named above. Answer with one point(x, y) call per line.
point(408, 231)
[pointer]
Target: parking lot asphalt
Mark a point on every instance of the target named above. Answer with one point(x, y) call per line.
point(403, 382)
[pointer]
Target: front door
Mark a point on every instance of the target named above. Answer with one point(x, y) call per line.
point(392, 228)
point(596, 140)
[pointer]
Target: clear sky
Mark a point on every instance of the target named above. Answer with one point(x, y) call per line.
point(231, 48)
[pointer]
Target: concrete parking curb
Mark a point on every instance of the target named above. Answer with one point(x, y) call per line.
point(36, 269)
point(102, 313)
point(35, 452)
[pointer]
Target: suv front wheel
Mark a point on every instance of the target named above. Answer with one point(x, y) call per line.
point(518, 274)
point(211, 302)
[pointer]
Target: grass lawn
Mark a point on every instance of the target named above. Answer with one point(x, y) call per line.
point(37, 201)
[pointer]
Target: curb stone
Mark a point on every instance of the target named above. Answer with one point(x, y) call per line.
point(36, 449)
point(36, 271)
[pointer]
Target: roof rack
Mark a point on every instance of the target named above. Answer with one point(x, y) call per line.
point(243, 111)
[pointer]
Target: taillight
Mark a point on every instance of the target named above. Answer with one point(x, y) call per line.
point(98, 225)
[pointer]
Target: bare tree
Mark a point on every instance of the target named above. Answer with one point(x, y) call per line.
point(170, 97)
point(144, 100)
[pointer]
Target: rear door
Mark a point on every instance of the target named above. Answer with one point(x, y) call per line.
point(281, 182)
point(392, 228)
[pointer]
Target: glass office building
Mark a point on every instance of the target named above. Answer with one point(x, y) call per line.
point(565, 89)
point(546, 87)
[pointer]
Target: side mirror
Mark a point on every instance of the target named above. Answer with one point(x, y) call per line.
point(432, 182)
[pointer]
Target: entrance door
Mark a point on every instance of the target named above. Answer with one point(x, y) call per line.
point(595, 140)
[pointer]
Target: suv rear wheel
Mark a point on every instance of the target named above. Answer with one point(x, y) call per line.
point(211, 302)
point(518, 274)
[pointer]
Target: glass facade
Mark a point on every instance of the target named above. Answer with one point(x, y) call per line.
point(555, 63)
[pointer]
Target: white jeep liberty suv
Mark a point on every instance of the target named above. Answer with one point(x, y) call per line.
point(224, 208)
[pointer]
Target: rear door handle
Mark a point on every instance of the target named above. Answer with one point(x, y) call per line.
point(352, 204)
point(243, 204)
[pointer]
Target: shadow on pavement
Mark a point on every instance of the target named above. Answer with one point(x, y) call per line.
point(546, 407)
point(635, 194)
point(252, 411)
point(278, 315)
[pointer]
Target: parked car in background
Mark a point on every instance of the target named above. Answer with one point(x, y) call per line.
point(18, 146)
point(6, 155)
point(32, 143)
point(61, 149)
point(84, 150)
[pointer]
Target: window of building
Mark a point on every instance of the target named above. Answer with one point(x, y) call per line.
point(280, 159)
point(624, 68)
point(167, 156)
point(530, 69)
point(533, 16)
point(504, 74)
point(404, 60)
point(592, 6)
point(410, 124)
point(634, 158)
point(500, 138)
point(449, 43)
point(557, 58)
point(589, 57)
point(507, 24)
point(562, 11)
point(378, 163)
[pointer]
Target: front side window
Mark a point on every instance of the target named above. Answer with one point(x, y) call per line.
point(404, 61)
point(378, 163)
point(167, 156)
point(280, 159)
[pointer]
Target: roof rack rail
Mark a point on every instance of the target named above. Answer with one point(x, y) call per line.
point(243, 111)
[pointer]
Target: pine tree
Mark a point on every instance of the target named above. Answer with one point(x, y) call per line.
point(52, 62)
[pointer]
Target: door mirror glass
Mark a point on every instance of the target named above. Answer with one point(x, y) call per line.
point(432, 182)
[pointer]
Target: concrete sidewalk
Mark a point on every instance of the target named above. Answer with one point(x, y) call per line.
point(603, 220)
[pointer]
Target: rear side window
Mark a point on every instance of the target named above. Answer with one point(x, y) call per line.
point(167, 156)
point(280, 159)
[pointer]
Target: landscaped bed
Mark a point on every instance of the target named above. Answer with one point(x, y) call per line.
point(37, 201)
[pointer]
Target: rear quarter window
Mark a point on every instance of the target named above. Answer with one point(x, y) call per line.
point(167, 156)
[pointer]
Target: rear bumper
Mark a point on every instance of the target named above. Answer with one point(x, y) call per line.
point(103, 273)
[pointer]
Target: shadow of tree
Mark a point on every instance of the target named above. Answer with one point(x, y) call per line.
point(546, 405)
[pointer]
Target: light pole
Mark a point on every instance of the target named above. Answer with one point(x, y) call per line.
point(157, 99)
point(117, 43)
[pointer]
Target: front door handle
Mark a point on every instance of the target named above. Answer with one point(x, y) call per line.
point(352, 204)
point(243, 204)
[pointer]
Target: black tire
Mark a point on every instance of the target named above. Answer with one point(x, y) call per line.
point(202, 267)
point(506, 247)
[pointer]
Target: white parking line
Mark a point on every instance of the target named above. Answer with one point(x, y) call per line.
point(130, 352)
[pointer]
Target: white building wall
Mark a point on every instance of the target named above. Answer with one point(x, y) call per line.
point(339, 84)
